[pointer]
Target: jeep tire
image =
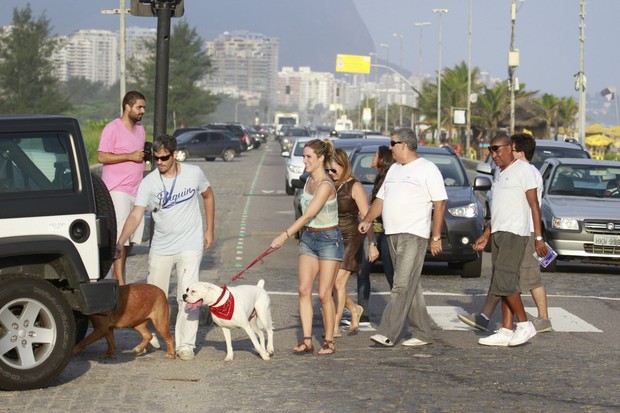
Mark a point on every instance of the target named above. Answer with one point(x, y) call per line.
point(105, 208)
point(37, 332)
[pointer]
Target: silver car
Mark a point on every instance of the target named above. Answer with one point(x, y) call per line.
point(581, 210)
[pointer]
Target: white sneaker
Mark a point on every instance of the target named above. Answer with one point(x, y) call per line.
point(413, 342)
point(185, 354)
point(381, 339)
point(523, 333)
point(501, 338)
point(155, 342)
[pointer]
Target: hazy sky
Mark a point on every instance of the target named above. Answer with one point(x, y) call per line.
point(547, 32)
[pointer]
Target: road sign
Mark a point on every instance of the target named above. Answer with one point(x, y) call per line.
point(352, 63)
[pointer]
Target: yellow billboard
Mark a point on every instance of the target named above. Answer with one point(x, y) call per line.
point(352, 63)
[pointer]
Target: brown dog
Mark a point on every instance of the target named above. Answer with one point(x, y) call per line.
point(138, 304)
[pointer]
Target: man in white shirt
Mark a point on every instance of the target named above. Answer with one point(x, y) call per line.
point(412, 188)
point(513, 211)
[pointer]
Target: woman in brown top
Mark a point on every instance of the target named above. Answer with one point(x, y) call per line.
point(352, 206)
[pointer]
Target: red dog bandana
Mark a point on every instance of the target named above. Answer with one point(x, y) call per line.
point(226, 309)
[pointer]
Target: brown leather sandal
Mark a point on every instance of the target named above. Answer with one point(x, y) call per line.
point(328, 348)
point(303, 347)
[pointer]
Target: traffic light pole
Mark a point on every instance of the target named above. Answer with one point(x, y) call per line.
point(164, 15)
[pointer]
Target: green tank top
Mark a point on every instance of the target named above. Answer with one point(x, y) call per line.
point(327, 216)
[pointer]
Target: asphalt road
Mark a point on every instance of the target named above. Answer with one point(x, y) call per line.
point(573, 369)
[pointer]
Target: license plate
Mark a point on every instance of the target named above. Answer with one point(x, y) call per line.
point(607, 240)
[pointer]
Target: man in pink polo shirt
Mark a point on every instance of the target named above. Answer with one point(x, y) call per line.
point(121, 151)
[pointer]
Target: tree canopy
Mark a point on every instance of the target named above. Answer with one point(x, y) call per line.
point(187, 102)
point(27, 80)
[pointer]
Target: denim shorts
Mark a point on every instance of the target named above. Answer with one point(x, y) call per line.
point(324, 245)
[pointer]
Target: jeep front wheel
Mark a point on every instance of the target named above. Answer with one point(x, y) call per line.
point(37, 332)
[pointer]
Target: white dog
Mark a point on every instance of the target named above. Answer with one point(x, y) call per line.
point(239, 306)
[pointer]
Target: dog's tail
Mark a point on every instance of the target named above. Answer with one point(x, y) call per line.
point(261, 283)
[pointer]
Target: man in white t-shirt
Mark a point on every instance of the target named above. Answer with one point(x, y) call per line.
point(530, 277)
point(513, 211)
point(121, 151)
point(412, 189)
point(173, 194)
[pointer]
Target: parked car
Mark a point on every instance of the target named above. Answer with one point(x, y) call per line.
point(208, 144)
point(545, 149)
point(258, 133)
point(236, 129)
point(464, 218)
point(581, 210)
point(294, 163)
point(356, 134)
point(179, 131)
point(290, 134)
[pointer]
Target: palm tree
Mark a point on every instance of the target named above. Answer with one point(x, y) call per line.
point(492, 107)
point(453, 94)
point(567, 113)
point(548, 106)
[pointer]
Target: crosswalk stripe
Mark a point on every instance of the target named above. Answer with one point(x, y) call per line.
point(562, 320)
point(445, 316)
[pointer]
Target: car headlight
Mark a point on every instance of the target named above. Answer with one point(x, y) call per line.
point(565, 223)
point(286, 140)
point(296, 169)
point(465, 211)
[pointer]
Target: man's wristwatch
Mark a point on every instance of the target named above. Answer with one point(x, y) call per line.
point(373, 243)
point(435, 239)
point(538, 238)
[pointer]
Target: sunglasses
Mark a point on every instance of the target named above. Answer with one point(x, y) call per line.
point(394, 143)
point(331, 170)
point(162, 158)
point(495, 148)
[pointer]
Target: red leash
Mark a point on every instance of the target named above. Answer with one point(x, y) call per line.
point(263, 255)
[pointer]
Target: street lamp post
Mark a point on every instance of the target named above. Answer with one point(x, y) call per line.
point(376, 92)
point(400, 83)
point(387, 103)
point(440, 12)
point(421, 25)
point(122, 12)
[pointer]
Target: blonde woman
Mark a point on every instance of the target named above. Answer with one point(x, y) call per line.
point(321, 245)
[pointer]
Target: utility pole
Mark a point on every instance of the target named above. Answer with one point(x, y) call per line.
point(468, 110)
point(580, 77)
point(122, 12)
point(513, 63)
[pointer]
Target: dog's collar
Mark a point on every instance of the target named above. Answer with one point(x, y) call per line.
point(226, 309)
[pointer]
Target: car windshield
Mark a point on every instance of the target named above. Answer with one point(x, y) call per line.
point(543, 153)
point(453, 174)
point(297, 132)
point(585, 180)
point(299, 149)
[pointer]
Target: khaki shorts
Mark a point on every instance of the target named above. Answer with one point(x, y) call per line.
point(123, 203)
point(529, 274)
point(507, 251)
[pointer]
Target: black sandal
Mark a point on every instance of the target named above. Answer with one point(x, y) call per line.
point(303, 347)
point(328, 348)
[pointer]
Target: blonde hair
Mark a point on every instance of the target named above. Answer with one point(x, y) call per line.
point(342, 159)
point(323, 148)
